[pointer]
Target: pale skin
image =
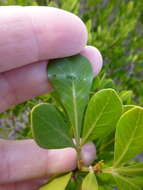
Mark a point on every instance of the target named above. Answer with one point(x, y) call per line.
point(29, 37)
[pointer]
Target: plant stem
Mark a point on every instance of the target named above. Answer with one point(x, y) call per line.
point(79, 159)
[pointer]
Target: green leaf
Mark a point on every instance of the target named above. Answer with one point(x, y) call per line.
point(90, 182)
point(76, 181)
point(133, 170)
point(128, 107)
point(72, 185)
point(95, 83)
point(128, 137)
point(126, 96)
point(107, 83)
point(52, 4)
point(105, 187)
point(102, 114)
point(49, 128)
point(59, 183)
point(126, 183)
point(105, 179)
point(71, 79)
point(138, 180)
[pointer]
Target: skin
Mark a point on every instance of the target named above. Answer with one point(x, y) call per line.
point(29, 37)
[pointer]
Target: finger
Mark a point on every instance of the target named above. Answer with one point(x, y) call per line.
point(23, 160)
point(33, 184)
point(22, 84)
point(29, 81)
point(31, 34)
point(93, 54)
point(88, 153)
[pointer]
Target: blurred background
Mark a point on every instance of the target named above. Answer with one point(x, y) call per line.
point(115, 27)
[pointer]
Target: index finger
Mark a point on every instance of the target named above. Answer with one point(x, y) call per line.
point(31, 34)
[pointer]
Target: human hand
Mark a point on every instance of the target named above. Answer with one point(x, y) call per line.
point(28, 36)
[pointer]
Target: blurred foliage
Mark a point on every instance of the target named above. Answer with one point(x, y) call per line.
point(115, 27)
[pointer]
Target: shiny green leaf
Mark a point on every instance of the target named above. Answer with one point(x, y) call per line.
point(128, 137)
point(126, 96)
point(126, 183)
point(102, 114)
point(127, 108)
point(59, 183)
point(138, 180)
point(90, 182)
point(105, 178)
point(49, 128)
point(71, 79)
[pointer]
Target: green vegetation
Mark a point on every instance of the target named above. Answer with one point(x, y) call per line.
point(98, 117)
point(116, 29)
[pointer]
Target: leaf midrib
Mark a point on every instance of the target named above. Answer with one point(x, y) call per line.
point(92, 126)
point(75, 112)
point(74, 103)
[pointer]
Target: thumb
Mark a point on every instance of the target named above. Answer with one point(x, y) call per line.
point(24, 160)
